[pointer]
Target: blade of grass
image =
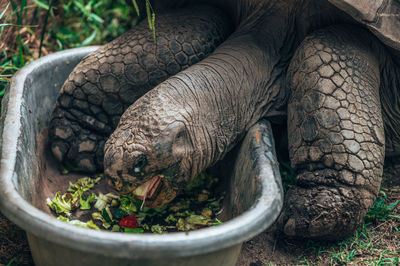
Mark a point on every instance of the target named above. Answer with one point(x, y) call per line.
point(135, 5)
point(42, 4)
point(14, 6)
point(153, 21)
point(16, 25)
point(95, 17)
point(20, 51)
point(4, 11)
point(21, 11)
point(148, 13)
point(89, 39)
point(151, 18)
point(44, 27)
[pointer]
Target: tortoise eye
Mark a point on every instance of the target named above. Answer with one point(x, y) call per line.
point(141, 162)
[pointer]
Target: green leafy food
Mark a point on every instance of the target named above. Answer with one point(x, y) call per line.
point(106, 214)
point(90, 224)
point(157, 229)
point(97, 216)
point(84, 204)
point(61, 203)
point(83, 184)
point(115, 228)
point(103, 200)
point(217, 222)
point(170, 219)
point(196, 208)
point(193, 222)
point(128, 204)
point(114, 203)
point(106, 225)
point(183, 226)
point(197, 220)
point(134, 230)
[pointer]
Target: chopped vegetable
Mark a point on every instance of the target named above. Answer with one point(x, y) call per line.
point(134, 230)
point(197, 219)
point(207, 212)
point(84, 184)
point(97, 216)
point(115, 228)
point(145, 227)
point(197, 208)
point(61, 203)
point(217, 222)
point(103, 200)
point(157, 229)
point(170, 219)
point(88, 224)
point(182, 225)
point(85, 204)
point(193, 222)
point(106, 214)
point(202, 197)
point(128, 205)
point(129, 222)
point(114, 203)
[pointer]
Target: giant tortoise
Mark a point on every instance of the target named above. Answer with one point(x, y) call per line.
point(177, 106)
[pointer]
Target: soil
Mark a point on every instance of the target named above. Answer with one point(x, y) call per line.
point(261, 250)
point(13, 244)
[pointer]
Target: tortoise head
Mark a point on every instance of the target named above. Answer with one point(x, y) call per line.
point(150, 156)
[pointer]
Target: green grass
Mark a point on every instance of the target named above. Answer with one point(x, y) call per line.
point(49, 26)
point(382, 209)
point(288, 175)
point(58, 25)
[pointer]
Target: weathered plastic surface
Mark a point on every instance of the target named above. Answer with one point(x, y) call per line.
point(255, 192)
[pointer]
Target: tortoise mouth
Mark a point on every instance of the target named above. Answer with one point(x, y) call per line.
point(149, 188)
point(155, 192)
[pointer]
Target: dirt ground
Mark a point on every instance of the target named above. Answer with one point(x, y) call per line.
point(14, 247)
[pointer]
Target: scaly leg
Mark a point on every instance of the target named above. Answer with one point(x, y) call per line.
point(336, 135)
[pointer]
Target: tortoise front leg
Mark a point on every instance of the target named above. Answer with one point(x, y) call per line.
point(109, 80)
point(336, 136)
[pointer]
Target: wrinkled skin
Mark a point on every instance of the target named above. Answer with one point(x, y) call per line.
point(306, 60)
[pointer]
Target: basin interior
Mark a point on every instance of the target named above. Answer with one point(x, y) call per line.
point(49, 179)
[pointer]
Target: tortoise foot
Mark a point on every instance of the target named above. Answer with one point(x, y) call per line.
point(324, 211)
point(76, 145)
